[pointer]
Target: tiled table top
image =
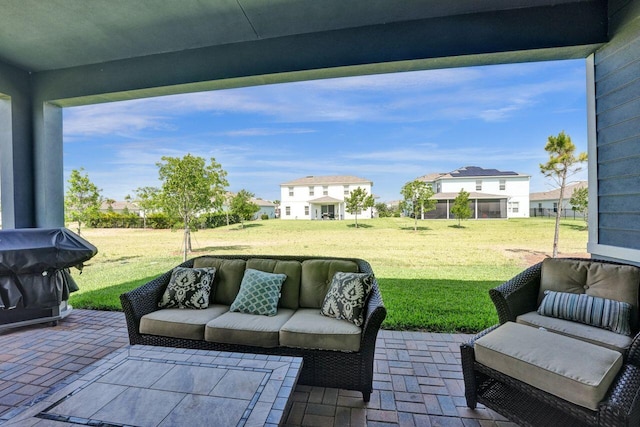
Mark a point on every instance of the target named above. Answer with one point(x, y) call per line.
point(158, 386)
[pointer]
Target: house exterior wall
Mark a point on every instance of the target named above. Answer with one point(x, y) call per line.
point(300, 205)
point(270, 211)
point(516, 189)
point(614, 138)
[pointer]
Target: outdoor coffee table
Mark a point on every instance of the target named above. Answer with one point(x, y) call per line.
point(159, 386)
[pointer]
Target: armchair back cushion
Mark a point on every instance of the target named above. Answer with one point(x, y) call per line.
point(597, 279)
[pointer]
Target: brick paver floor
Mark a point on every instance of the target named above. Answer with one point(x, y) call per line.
point(417, 382)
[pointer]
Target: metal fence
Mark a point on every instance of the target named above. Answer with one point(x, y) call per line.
point(551, 213)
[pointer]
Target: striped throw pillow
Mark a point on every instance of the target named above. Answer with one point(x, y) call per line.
point(600, 312)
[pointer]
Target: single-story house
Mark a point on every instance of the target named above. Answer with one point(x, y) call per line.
point(545, 203)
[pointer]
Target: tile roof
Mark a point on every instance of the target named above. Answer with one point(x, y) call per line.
point(555, 193)
point(328, 179)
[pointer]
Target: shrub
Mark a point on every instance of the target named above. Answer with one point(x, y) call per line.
point(217, 219)
point(159, 221)
point(264, 216)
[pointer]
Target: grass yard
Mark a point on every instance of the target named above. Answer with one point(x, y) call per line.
point(435, 279)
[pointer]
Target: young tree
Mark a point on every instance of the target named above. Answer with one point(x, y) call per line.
point(580, 201)
point(357, 201)
point(461, 208)
point(417, 199)
point(563, 163)
point(147, 199)
point(242, 206)
point(190, 186)
point(82, 198)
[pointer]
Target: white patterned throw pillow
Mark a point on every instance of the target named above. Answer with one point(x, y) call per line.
point(259, 293)
point(347, 297)
point(188, 288)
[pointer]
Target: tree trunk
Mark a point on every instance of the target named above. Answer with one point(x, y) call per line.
point(356, 219)
point(556, 234)
point(186, 243)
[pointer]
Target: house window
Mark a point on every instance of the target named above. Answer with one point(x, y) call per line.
point(290, 191)
point(312, 191)
point(438, 187)
point(478, 185)
point(287, 210)
point(555, 206)
point(306, 210)
point(346, 190)
point(503, 184)
point(325, 190)
point(515, 207)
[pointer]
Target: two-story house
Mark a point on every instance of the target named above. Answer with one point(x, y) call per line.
point(492, 193)
point(320, 197)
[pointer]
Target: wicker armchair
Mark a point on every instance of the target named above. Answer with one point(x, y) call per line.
point(529, 406)
point(323, 368)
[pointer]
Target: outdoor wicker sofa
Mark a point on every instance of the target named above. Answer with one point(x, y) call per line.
point(335, 354)
point(517, 302)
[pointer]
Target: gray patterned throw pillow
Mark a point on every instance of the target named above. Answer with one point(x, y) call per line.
point(188, 288)
point(259, 293)
point(347, 296)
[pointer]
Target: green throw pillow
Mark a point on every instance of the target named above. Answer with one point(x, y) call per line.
point(599, 312)
point(188, 288)
point(259, 293)
point(347, 297)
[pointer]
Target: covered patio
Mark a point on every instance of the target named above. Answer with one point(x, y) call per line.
point(417, 380)
point(58, 54)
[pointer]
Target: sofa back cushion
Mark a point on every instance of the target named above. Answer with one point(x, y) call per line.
point(597, 279)
point(229, 273)
point(290, 292)
point(317, 275)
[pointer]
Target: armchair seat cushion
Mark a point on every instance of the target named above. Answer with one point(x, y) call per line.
point(180, 322)
point(587, 333)
point(573, 370)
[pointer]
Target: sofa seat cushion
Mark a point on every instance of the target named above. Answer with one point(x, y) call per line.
point(307, 328)
point(179, 322)
point(247, 329)
point(570, 369)
point(591, 334)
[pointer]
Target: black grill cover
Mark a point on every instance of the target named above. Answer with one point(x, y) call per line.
point(34, 266)
point(35, 250)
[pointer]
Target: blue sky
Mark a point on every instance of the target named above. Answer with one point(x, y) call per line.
point(388, 128)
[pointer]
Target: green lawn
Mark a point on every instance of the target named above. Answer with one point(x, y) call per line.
point(435, 279)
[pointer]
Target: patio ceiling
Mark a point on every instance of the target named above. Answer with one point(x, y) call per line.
point(116, 46)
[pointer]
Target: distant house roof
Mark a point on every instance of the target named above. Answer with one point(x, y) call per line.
point(263, 203)
point(119, 206)
point(258, 201)
point(467, 172)
point(555, 193)
point(328, 179)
